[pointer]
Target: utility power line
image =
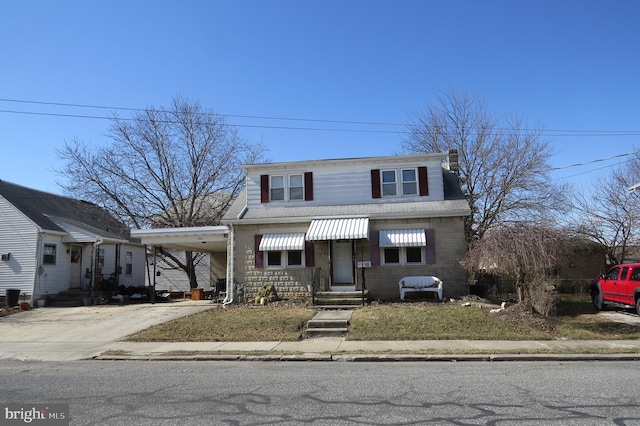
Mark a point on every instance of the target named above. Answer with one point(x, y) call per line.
point(260, 117)
point(560, 132)
point(321, 129)
point(595, 161)
point(546, 132)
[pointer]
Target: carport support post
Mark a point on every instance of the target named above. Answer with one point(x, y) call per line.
point(153, 291)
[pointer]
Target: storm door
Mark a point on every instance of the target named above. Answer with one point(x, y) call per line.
point(342, 265)
point(75, 268)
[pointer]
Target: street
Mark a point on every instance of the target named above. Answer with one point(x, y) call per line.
point(324, 393)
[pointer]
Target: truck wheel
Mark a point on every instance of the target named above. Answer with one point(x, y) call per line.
point(598, 300)
point(638, 306)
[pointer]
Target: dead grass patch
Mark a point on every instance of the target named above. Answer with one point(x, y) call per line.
point(430, 321)
point(233, 324)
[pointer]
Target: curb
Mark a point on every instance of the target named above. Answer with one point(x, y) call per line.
point(373, 357)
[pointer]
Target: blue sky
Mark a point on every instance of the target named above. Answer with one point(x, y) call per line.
point(572, 67)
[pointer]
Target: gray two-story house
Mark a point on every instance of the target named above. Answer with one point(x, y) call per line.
point(348, 222)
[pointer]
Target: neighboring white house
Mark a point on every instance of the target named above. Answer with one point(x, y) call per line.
point(391, 216)
point(50, 244)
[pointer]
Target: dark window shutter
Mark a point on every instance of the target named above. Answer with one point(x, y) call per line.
point(430, 255)
point(309, 258)
point(375, 184)
point(374, 249)
point(423, 181)
point(259, 255)
point(308, 186)
point(264, 188)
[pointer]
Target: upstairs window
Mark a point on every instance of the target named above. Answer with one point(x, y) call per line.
point(277, 188)
point(399, 182)
point(296, 187)
point(49, 254)
point(409, 182)
point(286, 187)
point(389, 186)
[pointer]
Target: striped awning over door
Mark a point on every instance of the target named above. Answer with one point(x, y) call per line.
point(403, 238)
point(339, 229)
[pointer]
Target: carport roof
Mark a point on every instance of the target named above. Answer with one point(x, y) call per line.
point(205, 239)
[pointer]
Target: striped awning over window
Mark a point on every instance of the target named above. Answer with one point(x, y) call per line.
point(279, 242)
point(403, 238)
point(339, 229)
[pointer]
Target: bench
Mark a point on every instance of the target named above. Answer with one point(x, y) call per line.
point(420, 283)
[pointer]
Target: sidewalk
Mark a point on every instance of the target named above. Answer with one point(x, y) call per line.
point(339, 349)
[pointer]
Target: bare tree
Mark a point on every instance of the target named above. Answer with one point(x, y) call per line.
point(174, 167)
point(609, 213)
point(503, 165)
point(527, 252)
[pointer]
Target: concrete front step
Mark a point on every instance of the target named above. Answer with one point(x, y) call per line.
point(329, 324)
point(327, 332)
point(340, 298)
point(69, 298)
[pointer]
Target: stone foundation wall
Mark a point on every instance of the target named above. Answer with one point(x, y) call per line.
point(289, 283)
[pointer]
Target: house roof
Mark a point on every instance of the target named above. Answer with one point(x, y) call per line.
point(395, 159)
point(57, 213)
point(454, 204)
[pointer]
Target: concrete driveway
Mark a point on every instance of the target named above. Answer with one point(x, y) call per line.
point(55, 334)
point(625, 317)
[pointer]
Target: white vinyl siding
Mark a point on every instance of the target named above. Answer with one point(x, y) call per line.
point(20, 270)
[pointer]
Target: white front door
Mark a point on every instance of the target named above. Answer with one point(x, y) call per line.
point(342, 266)
point(75, 269)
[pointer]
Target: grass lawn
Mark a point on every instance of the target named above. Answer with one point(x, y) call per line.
point(576, 319)
point(436, 322)
point(232, 324)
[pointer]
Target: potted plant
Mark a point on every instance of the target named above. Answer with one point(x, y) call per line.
point(24, 302)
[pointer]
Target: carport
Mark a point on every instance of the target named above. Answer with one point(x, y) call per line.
point(203, 239)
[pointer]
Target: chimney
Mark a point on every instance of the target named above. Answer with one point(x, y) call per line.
point(453, 161)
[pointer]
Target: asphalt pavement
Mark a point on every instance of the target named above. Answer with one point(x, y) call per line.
point(98, 332)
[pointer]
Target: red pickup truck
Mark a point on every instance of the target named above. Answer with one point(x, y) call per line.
point(620, 287)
